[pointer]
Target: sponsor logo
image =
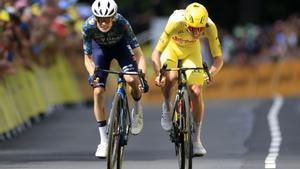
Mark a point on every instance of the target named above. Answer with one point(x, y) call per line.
point(181, 40)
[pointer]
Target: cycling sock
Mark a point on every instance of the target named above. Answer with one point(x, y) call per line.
point(102, 131)
point(134, 97)
point(136, 105)
point(197, 126)
point(137, 99)
point(101, 123)
point(168, 104)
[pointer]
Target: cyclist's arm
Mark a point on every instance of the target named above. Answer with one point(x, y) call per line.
point(215, 48)
point(89, 64)
point(140, 58)
point(216, 66)
point(87, 48)
point(156, 61)
point(162, 44)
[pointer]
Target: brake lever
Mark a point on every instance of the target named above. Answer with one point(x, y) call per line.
point(206, 69)
point(162, 72)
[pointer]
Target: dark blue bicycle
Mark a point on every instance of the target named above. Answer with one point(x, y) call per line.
point(119, 121)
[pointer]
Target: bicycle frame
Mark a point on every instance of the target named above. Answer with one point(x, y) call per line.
point(119, 125)
point(119, 121)
point(182, 117)
point(180, 94)
point(124, 131)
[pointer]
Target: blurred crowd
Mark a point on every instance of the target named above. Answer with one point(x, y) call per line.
point(33, 31)
point(252, 44)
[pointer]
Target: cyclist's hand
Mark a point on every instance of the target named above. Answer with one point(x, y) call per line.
point(159, 83)
point(144, 89)
point(92, 81)
point(208, 81)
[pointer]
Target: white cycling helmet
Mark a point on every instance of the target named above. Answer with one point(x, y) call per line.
point(104, 8)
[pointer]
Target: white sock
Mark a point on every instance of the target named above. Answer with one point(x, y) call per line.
point(136, 105)
point(103, 135)
point(167, 103)
point(197, 126)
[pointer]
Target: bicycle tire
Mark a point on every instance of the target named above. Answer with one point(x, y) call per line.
point(185, 145)
point(174, 133)
point(188, 134)
point(113, 134)
point(124, 131)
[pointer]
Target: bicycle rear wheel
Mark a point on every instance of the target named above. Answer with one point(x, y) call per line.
point(185, 146)
point(114, 148)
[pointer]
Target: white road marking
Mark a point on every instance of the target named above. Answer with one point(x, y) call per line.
point(270, 161)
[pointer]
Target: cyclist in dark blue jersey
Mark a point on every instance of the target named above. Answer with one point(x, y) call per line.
point(108, 35)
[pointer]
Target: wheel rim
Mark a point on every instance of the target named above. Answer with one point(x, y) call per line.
point(113, 146)
point(114, 135)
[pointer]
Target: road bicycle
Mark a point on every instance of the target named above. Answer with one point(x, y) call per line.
point(119, 121)
point(182, 119)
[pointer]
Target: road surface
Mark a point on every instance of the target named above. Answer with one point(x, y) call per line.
point(238, 134)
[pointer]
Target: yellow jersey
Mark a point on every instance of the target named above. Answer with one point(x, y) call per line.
point(177, 37)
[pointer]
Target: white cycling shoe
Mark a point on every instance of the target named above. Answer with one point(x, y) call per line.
point(102, 150)
point(137, 119)
point(198, 149)
point(166, 120)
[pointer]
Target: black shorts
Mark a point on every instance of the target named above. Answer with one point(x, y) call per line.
point(103, 55)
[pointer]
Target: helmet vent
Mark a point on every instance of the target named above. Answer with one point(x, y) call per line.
point(106, 12)
point(112, 11)
point(108, 5)
point(96, 12)
point(99, 4)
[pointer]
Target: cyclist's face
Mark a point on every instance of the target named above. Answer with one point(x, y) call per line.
point(195, 31)
point(105, 23)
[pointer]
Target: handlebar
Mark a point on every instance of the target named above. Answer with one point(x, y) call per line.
point(206, 69)
point(164, 69)
point(139, 73)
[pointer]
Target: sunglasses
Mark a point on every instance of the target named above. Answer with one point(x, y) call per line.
point(195, 29)
point(104, 19)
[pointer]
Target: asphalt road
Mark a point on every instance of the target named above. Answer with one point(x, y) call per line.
point(236, 133)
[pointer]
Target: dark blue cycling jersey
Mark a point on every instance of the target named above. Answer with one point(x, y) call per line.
point(121, 29)
point(117, 44)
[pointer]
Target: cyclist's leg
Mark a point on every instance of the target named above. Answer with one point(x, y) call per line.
point(124, 55)
point(169, 58)
point(103, 62)
point(127, 62)
point(195, 83)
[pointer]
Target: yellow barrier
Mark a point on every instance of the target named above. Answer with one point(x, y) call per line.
point(288, 78)
point(25, 94)
point(263, 80)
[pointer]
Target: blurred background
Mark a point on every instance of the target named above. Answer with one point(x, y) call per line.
point(41, 56)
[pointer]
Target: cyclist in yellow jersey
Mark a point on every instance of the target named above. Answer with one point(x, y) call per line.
point(181, 41)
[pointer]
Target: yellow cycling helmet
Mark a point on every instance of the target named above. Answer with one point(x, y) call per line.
point(196, 15)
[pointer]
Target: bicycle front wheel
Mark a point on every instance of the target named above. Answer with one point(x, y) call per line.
point(124, 131)
point(114, 148)
point(185, 147)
